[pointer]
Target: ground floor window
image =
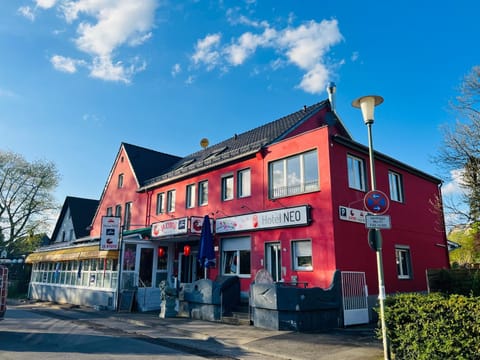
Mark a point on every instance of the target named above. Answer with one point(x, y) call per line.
point(99, 273)
point(302, 255)
point(236, 256)
point(403, 260)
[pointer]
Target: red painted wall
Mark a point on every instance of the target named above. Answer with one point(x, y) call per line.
point(414, 224)
point(336, 244)
point(113, 195)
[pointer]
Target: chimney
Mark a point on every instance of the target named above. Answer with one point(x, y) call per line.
point(331, 88)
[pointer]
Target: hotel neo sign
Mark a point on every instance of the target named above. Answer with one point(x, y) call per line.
point(294, 216)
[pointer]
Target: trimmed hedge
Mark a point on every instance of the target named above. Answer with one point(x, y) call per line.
point(433, 327)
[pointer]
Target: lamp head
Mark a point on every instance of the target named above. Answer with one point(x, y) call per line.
point(367, 105)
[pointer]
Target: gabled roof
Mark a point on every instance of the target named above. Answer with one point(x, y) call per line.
point(147, 163)
point(244, 144)
point(81, 210)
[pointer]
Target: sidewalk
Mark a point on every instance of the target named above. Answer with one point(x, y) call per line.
point(224, 340)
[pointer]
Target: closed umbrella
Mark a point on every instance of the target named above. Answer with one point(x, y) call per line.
point(206, 253)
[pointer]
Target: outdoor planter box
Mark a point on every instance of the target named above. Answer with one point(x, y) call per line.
point(209, 300)
point(282, 307)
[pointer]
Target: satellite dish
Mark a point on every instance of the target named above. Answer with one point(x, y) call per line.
point(204, 143)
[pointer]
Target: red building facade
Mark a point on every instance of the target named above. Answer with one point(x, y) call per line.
point(287, 197)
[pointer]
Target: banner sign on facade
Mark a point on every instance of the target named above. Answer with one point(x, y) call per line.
point(196, 224)
point(110, 234)
point(294, 216)
point(170, 227)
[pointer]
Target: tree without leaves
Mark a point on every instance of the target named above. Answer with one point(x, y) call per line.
point(460, 154)
point(26, 199)
point(461, 149)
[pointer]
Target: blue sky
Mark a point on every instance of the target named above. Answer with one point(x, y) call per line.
point(77, 78)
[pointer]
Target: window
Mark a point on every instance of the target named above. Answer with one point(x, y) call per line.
point(162, 265)
point(171, 201)
point(302, 255)
point(128, 216)
point(160, 203)
point(294, 175)
point(120, 181)
point(109, 211)
point(236, 256)
point(227, 187)
point(118, 210)
point(404, 265)
point(190, 201)
point(396, 186)
point(203, 193)
point(243, 186)
point(356, 173)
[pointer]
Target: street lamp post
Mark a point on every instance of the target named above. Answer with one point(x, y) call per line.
point(367, 105)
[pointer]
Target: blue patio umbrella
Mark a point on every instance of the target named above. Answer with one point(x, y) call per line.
point(206, 253)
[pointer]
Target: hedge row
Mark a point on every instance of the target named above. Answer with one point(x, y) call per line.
point(434, 326)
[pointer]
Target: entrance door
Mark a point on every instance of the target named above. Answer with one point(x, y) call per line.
point(187, 267)
point(145, 273)
point(273, 260)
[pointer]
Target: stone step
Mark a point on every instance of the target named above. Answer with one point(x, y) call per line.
point(240, 316)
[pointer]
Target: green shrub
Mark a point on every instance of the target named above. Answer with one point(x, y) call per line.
point(433, 327)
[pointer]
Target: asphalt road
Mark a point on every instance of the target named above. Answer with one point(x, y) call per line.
point(29, 335)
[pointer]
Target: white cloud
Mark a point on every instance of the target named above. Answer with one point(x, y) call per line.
point(46, 4)
point(27, 12)
point(104, 68)
point(354, 56)
point(92, 119)
point(117, 23)
point(304, 46)
point(315, 79)
point(103, 27)
point(65, 64)
point(246, 45)
point(206, 51)
point(176, 69)
point(454, 187)
point(30, 13)
point(190, 80)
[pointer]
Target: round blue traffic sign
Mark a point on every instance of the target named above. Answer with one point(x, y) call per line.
point(376, 202)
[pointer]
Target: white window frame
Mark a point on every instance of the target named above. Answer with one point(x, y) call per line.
point(395, 182)
point(203, 193)
point(244, 183)
point(301, 248)
point(171, 195)
point(190, 196)
point(356, 173)
point(120, 181)
point(236, 248)
point(127, 219)
point(282, 183)
point(118, 211)
point(227, 187)
point(160, 208)
point(403, 259)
